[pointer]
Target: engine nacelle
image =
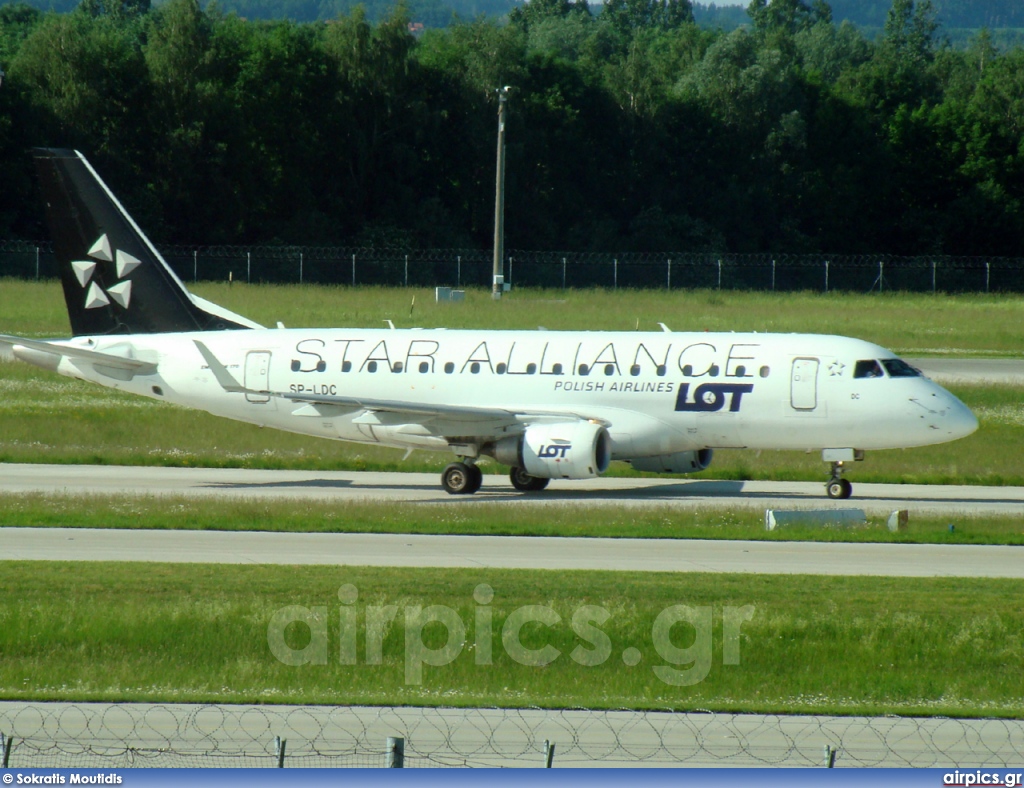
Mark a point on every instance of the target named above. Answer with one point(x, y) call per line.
point(570, 450)
point(681, 462)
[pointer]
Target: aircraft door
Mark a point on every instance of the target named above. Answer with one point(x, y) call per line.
point(257, 374)
point(804, 384)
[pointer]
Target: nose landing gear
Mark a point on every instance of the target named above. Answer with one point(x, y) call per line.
point(837, 487)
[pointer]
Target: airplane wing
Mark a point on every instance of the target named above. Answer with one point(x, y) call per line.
point(132, 366)
point(417, 411)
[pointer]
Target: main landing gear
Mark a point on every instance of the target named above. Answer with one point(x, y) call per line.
point(837, 486)
point(462, 478)
point(465, 478)
point(524, 482)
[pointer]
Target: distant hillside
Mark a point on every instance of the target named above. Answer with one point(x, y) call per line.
point(993, 14)
point(958, 18)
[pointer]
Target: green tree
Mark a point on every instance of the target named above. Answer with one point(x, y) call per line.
point(87, 75)
point(789, 16)
point(627, 17)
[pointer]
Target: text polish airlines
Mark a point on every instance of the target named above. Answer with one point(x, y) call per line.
point(548, 404)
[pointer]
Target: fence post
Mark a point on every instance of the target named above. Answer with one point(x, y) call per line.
point(300, 268)
point(509, 280)
point(830, 757)
point(458, 271)
point(406, 270)
point(7, 742)
point(773, 276)
point(719, 274)
point(881, 276)
point(248, 267)
point(396, 752)
point(549, 750)
point(353, 270)
point(615, 275)
point(563, 273)
point(668, 275)
point(826, 276)
point(988, 271)
point(933, 276)
point(37, 263)
point(195, 266)
point(279, 746)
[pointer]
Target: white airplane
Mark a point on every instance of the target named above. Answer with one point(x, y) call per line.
point(549, 404)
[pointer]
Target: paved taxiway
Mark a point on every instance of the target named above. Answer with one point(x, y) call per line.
point(507, 552)
point(1006, 371)
point(513, 552)
point(343, 487)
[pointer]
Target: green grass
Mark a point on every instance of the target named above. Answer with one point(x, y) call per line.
point(906, 322)
point(312, 516)
point(123, 632)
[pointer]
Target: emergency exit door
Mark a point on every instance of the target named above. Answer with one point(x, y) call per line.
point(804, 384)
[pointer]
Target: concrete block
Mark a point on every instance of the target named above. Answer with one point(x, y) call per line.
point(898, 520)
point(773, 518)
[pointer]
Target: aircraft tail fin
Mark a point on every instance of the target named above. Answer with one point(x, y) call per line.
point(114, 279)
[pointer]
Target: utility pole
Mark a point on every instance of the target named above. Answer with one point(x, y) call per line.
point(499, 200)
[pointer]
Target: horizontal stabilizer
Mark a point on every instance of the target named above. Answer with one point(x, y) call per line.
point(133, 365)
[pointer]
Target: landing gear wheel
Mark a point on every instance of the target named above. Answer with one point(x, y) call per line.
point(461, 479)
point(839, 488)
point(477, 479)
point(524, 482)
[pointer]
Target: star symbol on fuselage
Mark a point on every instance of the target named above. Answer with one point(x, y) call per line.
point(121, 292)
point(835, 369)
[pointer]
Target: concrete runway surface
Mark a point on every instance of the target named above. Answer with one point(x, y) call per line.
point(201, 735)
point(513, 552)
point(1006, 371)
point(425, 488)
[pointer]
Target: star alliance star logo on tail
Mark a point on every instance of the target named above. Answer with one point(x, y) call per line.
point(96, 296)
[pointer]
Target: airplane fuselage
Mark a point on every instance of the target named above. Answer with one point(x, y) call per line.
point(657, 393)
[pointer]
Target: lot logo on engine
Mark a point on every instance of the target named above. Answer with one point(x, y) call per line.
point(709, 397)
point(554, 451)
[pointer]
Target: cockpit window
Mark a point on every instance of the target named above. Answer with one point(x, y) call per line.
point(898, 368)
point(868, 369)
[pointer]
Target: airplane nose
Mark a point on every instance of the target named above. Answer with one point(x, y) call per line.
point(962, 421)
point(956, 419)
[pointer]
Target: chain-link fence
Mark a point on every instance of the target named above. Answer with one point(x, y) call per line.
point(101, 735)
point(472, 267)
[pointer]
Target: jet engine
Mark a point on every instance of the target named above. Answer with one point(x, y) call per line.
point(570, 450)
point(681, 462)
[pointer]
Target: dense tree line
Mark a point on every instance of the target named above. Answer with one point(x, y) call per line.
point(632, 130)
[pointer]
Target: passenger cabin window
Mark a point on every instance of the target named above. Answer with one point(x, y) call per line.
point(898, 368)
point(868, 369)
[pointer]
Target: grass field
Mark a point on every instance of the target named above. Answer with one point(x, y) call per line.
point(310, 516)
point(909, 323)
point(824, 645)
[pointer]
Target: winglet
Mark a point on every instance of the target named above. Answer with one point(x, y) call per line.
point(220, 372)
